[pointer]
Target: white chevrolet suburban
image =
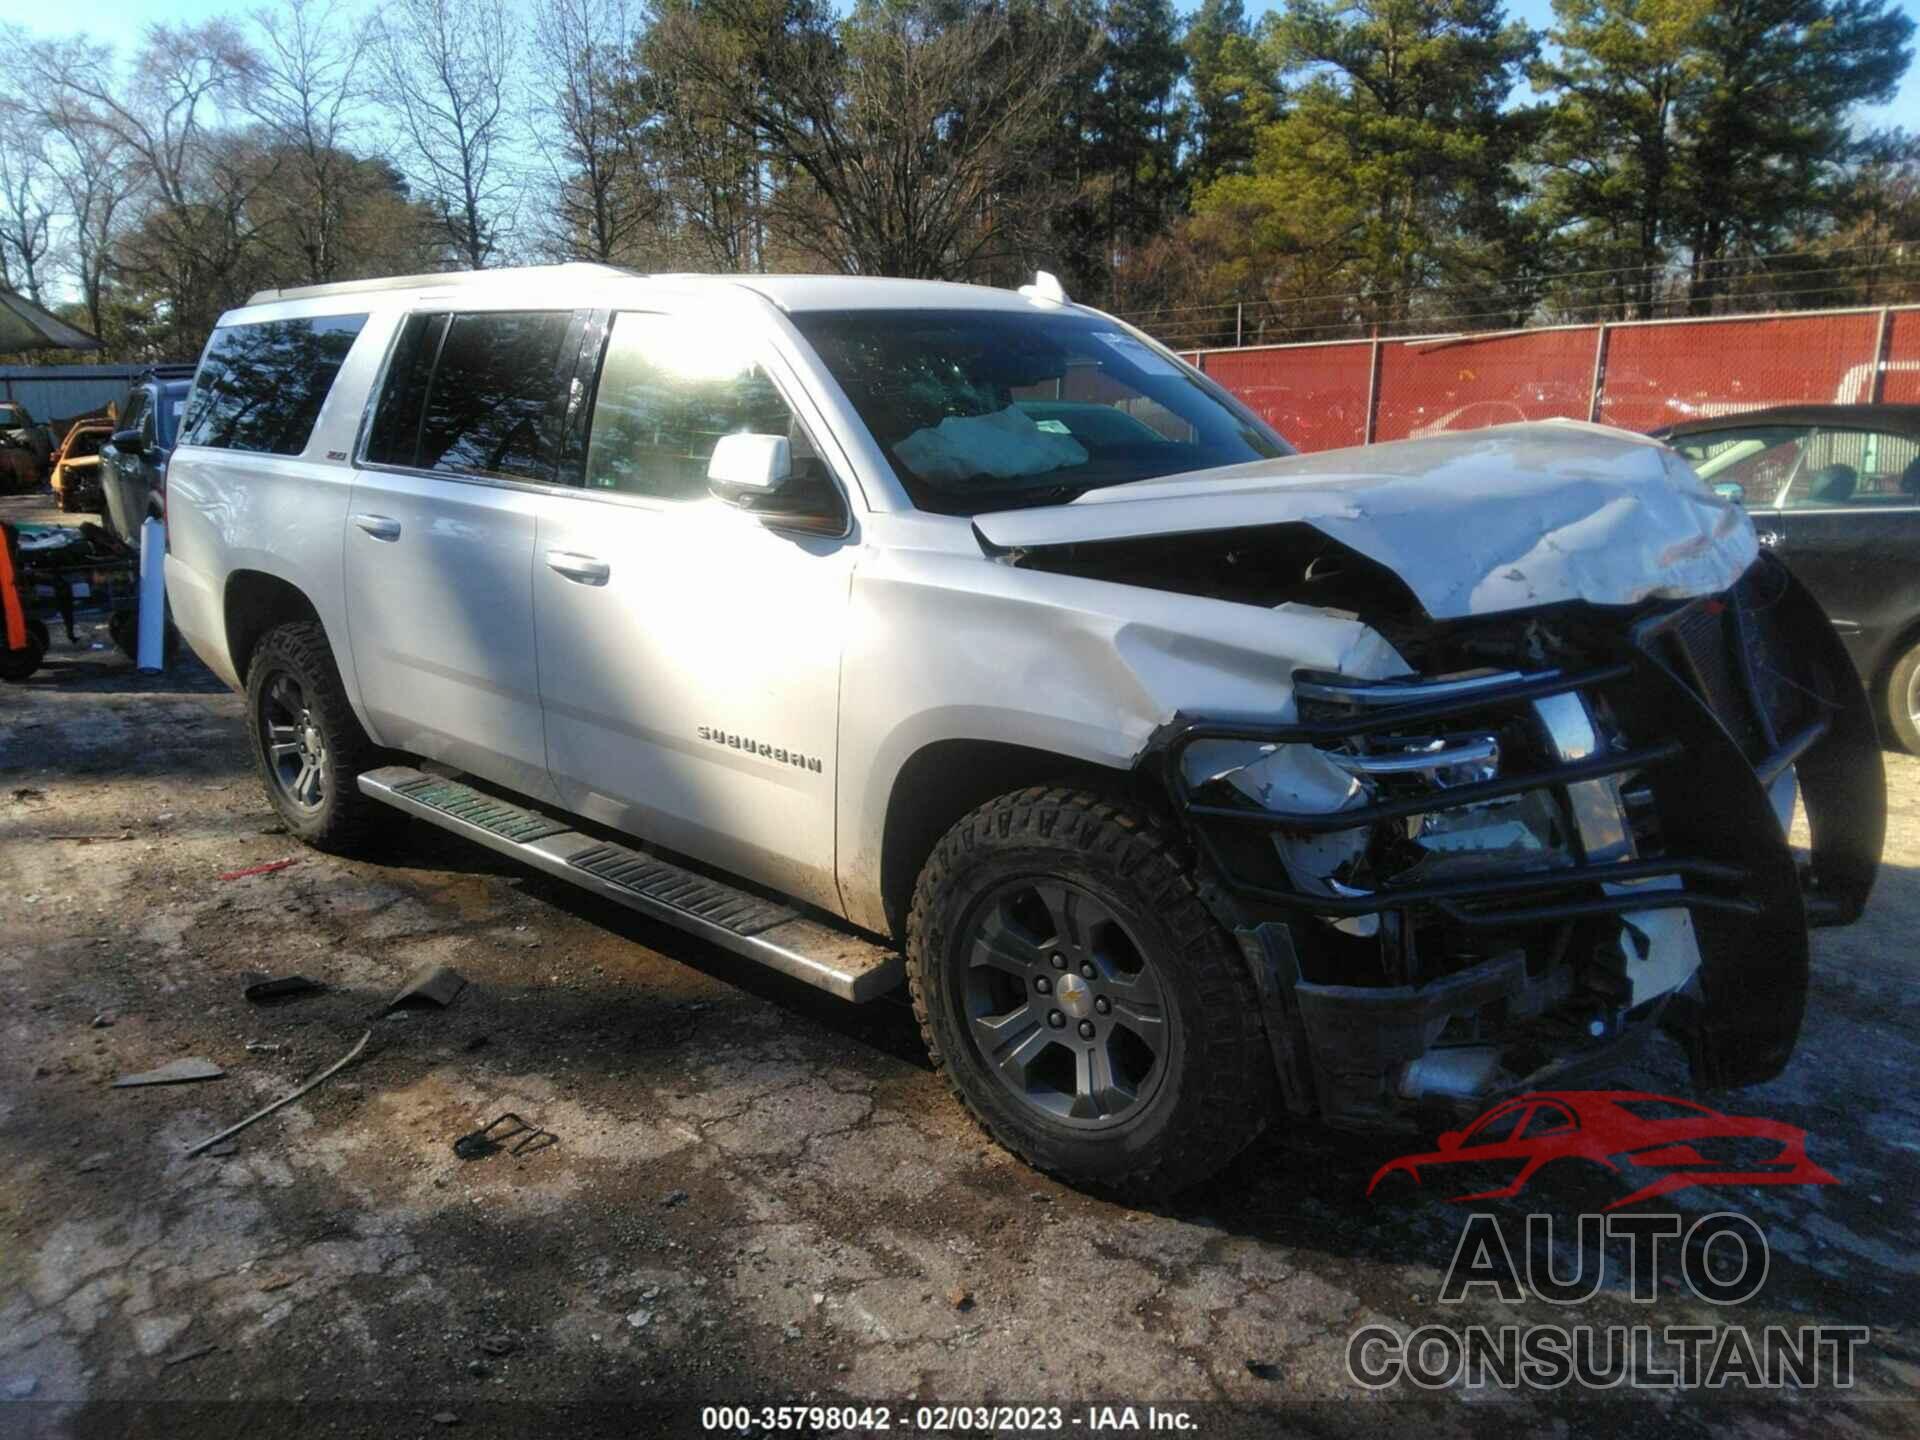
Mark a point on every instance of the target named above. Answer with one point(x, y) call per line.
point(891, 632)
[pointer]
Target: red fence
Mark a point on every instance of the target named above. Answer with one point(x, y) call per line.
point(1639, 375)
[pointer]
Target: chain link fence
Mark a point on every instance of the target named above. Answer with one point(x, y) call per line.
point(1639, 375)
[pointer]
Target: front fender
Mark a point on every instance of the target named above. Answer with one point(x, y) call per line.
point(947, 646)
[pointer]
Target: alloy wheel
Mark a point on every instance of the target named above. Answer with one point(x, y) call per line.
point(296, 748)
point(1062, 1003)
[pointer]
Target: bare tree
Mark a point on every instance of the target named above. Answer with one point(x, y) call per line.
point(98, 186)
point(899, 133)
point(196, 176)
point(308, 89)
point(587, 101)
point(27, 199)
point(443, 68)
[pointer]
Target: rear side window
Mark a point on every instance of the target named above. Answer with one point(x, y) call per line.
point(473, 395)
point(260, 387)
point(395, 436)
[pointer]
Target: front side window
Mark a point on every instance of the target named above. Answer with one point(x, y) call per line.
point(1751, 464)
point(668, 391)
point(985, 409)
point(260, 386)
point(136, 416)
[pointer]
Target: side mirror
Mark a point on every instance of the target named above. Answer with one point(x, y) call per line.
point(1450, 1140)
point(128, 442)
point(1731, 490)
point(747, 466)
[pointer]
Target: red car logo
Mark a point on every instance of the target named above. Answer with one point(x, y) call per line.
point(1675, 1143)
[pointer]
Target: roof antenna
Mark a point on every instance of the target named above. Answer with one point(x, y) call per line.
point(1046, 289)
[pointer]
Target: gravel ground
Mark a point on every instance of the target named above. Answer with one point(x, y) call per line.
point(757, 1194)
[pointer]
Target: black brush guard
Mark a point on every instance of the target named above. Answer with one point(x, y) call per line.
point(1723, 695)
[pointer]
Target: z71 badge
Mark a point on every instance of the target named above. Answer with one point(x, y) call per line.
point(779, 754)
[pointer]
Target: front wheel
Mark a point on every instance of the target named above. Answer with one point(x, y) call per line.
point(1082, 1002)
point(307, 740)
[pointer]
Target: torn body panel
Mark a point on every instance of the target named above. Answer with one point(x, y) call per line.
point(1485, 746)
point(1537, 866)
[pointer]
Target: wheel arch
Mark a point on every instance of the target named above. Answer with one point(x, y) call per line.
point(947, 779)
point(253, 603)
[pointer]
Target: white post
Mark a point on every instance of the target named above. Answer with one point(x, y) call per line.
point(151, 658)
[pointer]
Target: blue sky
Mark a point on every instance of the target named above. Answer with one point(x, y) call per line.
point(120, 19)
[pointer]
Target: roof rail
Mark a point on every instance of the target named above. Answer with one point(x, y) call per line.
point(581, 269)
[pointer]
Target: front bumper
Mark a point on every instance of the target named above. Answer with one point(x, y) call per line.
point(1714, 705)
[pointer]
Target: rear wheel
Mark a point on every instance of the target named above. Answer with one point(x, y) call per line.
point(1081, 1000)
point(307, 741)
point(1903, 701)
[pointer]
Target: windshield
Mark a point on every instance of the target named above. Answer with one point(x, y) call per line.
point(173, 400)
point(988, 409)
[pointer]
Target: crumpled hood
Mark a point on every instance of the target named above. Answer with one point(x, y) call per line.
point(1506, 518)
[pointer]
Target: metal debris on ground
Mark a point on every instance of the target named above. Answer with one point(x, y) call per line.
point(93, 839)
point(176, 1072)
point(261, 987)
point(262, 1047)
point(434, 984)
point(103, 1020)
point(516, 1138)
point(266, 869)
point(266, 1110)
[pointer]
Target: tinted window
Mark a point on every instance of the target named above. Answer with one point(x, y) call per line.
point(492, 405)
point(134, 416)
point(395, 436)
point(668, 392)
point(981, 409)
point(260, 387)
point(170, 401)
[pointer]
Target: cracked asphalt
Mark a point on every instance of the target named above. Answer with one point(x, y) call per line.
point(756, 1194)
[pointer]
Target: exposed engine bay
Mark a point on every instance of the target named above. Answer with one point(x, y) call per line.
point(1566, 831)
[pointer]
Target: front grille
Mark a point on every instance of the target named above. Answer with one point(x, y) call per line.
point(1787, 702)
point(1707, 650)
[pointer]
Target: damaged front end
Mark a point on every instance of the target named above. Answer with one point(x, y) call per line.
point(1568, 829)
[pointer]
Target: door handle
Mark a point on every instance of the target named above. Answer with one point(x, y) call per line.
point(585, 569)
point(380, 527)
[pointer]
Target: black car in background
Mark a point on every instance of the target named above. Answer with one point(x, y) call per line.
point(132, 462)
point(1834, 491)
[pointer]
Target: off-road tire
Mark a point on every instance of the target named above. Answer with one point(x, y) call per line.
point(344, 822)
point(1216, 1091)
point(1901, 694)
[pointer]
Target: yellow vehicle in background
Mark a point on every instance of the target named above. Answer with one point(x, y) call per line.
point(76, 466)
